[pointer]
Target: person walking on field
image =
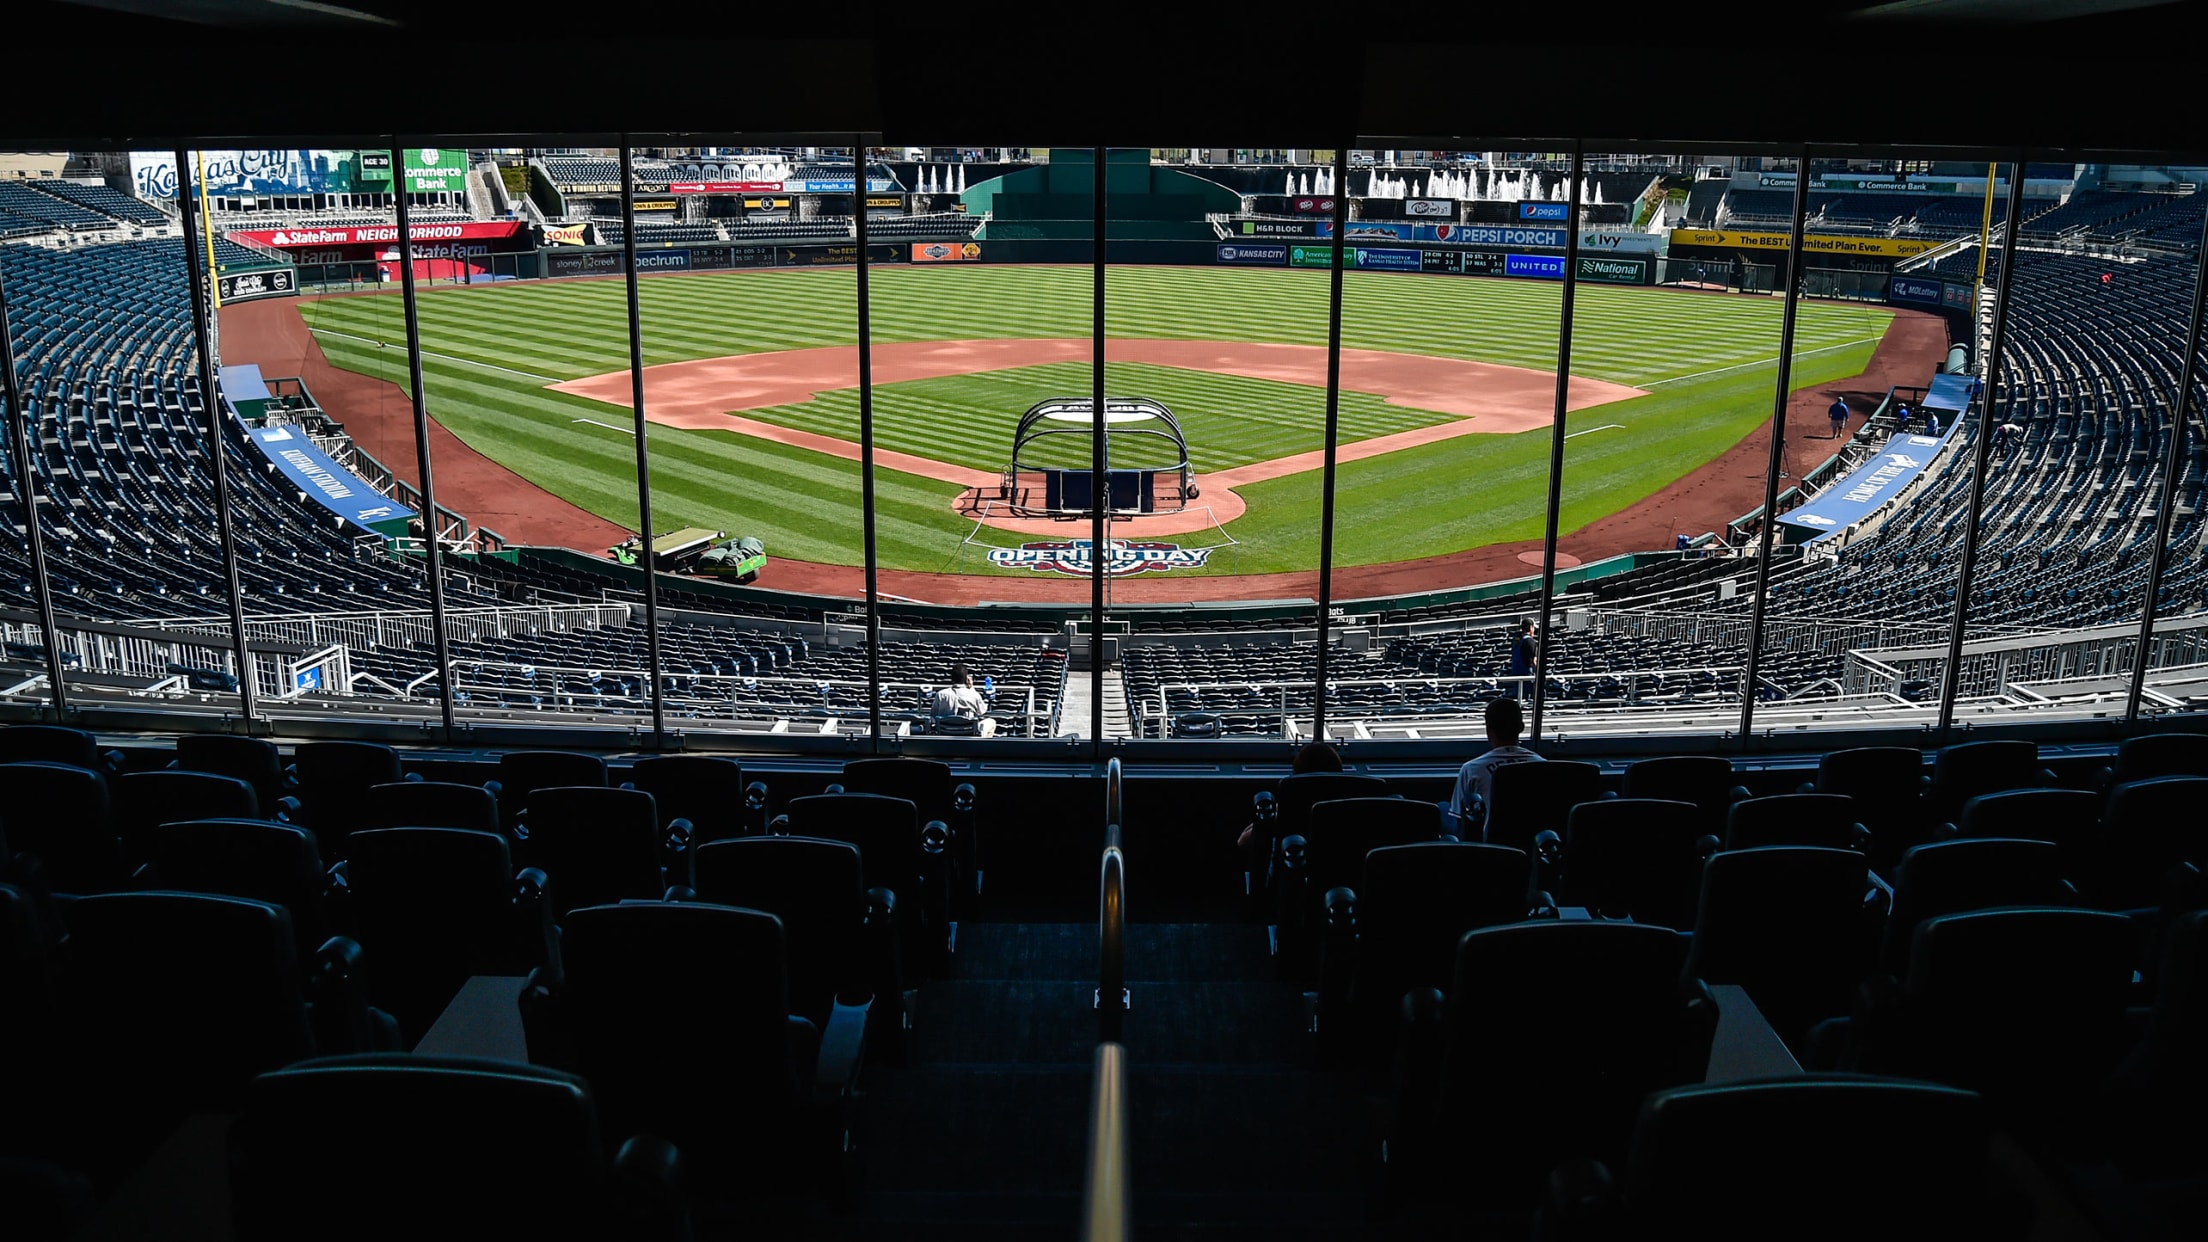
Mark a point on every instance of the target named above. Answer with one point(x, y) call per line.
point(1839, 415)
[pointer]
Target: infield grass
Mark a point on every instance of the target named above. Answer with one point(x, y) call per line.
point(1708, 364)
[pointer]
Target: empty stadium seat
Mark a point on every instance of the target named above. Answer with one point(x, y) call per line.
point(1825, 821)
point(1533, 798)
point(707, 792)
point(1630, 857)
point(428, 804)
point(598, 845)
point(1792, 925)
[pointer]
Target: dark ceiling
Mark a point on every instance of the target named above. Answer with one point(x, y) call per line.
point(2063, 77)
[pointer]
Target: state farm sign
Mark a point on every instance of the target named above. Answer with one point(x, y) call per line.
point(286, 239)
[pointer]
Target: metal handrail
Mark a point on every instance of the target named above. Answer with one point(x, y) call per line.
point(1107, 1198)
point(1111, 916)
point(1114, 801)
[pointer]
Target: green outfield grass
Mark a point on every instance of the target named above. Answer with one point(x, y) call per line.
point(1708, 364)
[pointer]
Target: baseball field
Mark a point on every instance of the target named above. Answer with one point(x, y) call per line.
point(752, 386)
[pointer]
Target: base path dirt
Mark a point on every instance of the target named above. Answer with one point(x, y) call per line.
point(379, 417)
point(1484, 399)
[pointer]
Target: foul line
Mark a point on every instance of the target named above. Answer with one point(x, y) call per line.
point(1605, 427)
point(1760, 362)
point(627, 431)
point(470, 362)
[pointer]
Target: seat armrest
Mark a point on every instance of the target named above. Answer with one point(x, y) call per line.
point(1418, 1058)
point(841, 1045)
point(287, 810)
point(415, 776)
point(113, 759)
point(679, 892)
point(885, 963)
point(1295, 852)
point(1947, 830)
point(1341, 908)
point(1859, 838)
point(1738, 793)
point(1580, 1202)
point(626, 785)
point(1706, 845)
point(1264, 807)
point(755, 807)
point(337, 998)
point(935, 838)
point(779, 826)
point(648, 1172)
point(1806, 787)
point(1542, 906)
point(834, 787)
point(2104, 778)
point(962, 798)
point(1548, 847)
point(2048, 779)
point(145, 876)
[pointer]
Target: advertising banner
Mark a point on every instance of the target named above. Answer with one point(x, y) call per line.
point(884, 202)
point(1531, 210)
point(583, 263)
point(832, 185)
point(564, 234)
point(1870, 485)
point(1960, 297)
point(654, 204)
point(1076, 557)
point(1505, 235)
point(662, 261)
point(846, 255)
point(355, 235)
point(723, 187)
point(375, 166)
point(1814, 243)
point(1913, 289)
point(1536, 266)
point(1384, 260)
point(1613, 270)
point(1429, 208)
point(940, 252)
point(436, 170)
point(1306, 205)
point(1621, 243)
point(276, 282)
point(1278, 228)
point(324, 481)
point(275, 171)
point(1310, 256)
point(1268, 254)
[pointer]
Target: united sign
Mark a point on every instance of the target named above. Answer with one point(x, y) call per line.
point(1074, 557)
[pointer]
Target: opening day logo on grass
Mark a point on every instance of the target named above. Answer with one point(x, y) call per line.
point(1075, 557)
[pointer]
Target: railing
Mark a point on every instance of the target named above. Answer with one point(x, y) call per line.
point(1111, 916)
point(1107, 1199)
point(407, 627)
point(1291, 697)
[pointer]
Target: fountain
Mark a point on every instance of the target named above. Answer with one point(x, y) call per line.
point(961, 178)
point(1291, 190)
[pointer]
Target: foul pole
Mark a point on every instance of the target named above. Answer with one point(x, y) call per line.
point(1985, 228)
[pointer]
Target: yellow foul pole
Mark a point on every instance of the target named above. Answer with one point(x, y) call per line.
point(1985, 228)
point(207, 230)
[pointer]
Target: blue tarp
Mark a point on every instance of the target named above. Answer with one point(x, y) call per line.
point(1949, 392)
point(1871, 484)
point(325, 482)
point(243, 382)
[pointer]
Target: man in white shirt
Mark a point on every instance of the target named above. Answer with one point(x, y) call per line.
point(1467, 809)
point(961, 699)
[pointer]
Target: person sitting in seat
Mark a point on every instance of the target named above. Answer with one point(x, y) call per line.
point(1466, 813)
point(960, 699)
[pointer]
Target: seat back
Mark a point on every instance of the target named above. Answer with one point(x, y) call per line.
point(371, 1146)
point(1963, 772)
point(1296, 795)
point(1705, 780)
point(429, 804)
point(1562, 1028)
point(1637, 857)
point(1821, 1155)
point(1787, 923)
point(143, 799)
point(331, 778)
point(643, 981)
point(62, 814)
point(814, 887)
point(49, 744)
point(1824, 821)
point(1951, 877)
point(596, 845)
point(1414, 904)
point(522, 772)
point(925, 783)
point(2149, 827)
point(886, 831)
point(253, 760)
point(1884, 782)
point(2064, 816)
point(182, 997)
point(1533, 798)
point(2161, 754)
point(432, 906)
point(707, 790)
point(1340, 833)
point(250, 858)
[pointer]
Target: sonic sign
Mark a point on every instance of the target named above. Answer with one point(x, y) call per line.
point(1074, 557)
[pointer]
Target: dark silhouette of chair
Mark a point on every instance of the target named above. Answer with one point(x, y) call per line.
point(1397, 928)
point(938, 796)
point(1825, 1156)
point(2066, 817)
point(1708, 781)
point(2157, 754)
point(1553, 1032)
point(597, 846)
point(1285, 811)
point(250, 858)
point(2162, 1091)
point(1821, 821)
point(1533, 798)
point(707, 792)
point(1886, 784)
point(895, 853)
point(1632, 857)
point(434, 906)
point(370, 1147)
point(250, 759)
point(2148, 828)
point(57, 744)
point(331, 779)
point(1960, 773)
point(1951, 877)
point(1791, 925)
point(63, 816)
point(523, 772)
point(640, 980)
point(429, 804)
point(1330, 852)
point(839, 936)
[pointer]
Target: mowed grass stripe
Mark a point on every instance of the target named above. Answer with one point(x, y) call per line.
point(1713, 357)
